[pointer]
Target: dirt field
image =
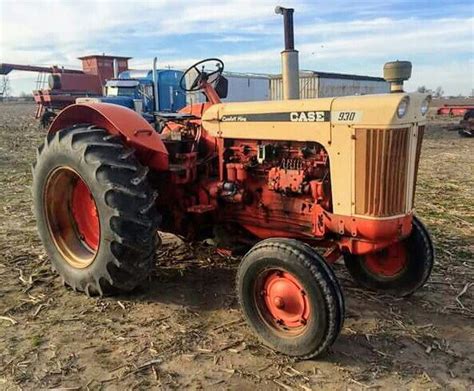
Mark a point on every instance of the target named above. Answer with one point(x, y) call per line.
point(184, 329)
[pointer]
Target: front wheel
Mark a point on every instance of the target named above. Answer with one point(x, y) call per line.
point(95, 210)
point(399, 269)
point(290, 297)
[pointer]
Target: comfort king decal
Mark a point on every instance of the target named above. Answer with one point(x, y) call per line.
point(290, 116)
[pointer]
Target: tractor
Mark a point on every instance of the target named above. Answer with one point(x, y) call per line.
point(291, 176)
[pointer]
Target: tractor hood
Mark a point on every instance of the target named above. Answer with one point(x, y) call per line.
point(310, 119)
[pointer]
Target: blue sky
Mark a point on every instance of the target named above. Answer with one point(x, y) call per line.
point(337, 35)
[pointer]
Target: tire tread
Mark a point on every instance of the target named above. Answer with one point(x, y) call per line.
point(323, 276)
point(132, 251)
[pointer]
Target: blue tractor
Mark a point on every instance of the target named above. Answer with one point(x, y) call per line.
point(149, 92)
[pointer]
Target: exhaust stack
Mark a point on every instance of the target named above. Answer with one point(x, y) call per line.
point(289, 56)
point(155, 85)
point(116, 71)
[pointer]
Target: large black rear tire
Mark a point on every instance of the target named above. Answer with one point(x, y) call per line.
point(290, 297)
point(95, 210)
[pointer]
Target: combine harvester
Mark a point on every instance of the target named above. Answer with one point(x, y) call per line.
point(64, 85)
point(334, 173)
point(104, 79)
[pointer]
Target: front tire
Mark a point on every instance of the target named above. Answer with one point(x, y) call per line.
point(400, 269)
point(95, 210)
point(290, 297)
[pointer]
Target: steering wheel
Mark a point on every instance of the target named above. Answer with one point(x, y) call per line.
point(202, 75)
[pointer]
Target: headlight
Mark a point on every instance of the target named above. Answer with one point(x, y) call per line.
point(425, 105)
point(403, 107)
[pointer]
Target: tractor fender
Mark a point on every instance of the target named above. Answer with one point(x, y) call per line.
point(118, 120)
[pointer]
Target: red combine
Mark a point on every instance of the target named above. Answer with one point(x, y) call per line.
point(65, 85)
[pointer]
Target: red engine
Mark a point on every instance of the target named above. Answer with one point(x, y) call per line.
point(267, 187)
point(277, 185)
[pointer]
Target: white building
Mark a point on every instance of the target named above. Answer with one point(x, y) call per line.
point(247, 87)
point(314, 84)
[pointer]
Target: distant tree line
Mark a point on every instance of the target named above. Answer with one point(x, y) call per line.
point(5, 91)
point(437, 93)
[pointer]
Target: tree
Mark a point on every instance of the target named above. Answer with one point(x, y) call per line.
point(5, 87)
point(422, 89)
point(439, 92)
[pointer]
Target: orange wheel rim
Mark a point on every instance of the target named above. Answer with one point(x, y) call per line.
point(389, 262)
point(72, 217)
point(283, 301)
point(85, 214)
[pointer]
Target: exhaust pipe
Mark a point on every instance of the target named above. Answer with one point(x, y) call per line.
point(289, 56)
point(115, 68)
point(155, 85)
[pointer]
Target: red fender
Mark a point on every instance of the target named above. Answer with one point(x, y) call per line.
point(135, 130)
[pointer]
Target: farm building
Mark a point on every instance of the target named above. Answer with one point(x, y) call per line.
point(244, 87)
point(314, 84)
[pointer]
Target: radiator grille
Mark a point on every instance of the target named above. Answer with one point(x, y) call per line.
point(381, 157)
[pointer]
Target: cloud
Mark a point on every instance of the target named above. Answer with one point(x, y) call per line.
point(341, 35)
point(457, 77)
point(387, 37)
point(230, 39)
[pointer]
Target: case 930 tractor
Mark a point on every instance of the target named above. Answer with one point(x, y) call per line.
point(333, 173)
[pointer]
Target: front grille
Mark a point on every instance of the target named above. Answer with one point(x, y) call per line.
point(381, 157)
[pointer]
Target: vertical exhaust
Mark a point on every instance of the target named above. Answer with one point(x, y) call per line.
point(115, 63)
point(155, 85)
point(289, 56)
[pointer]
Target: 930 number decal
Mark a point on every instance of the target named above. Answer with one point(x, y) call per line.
point(347, 116)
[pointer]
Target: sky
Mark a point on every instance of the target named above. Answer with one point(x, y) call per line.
point(344, 36)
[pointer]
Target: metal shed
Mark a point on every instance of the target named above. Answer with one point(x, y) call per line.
point(243, 87)
point(314, 84)
point(247, 87)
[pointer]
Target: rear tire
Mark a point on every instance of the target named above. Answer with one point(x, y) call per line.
point(95, 210)
point(400, 281)
point(290, 297)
